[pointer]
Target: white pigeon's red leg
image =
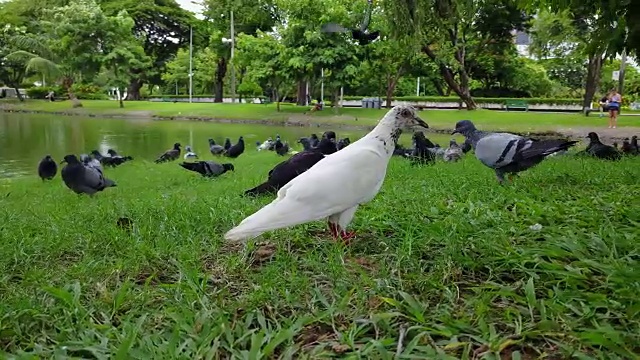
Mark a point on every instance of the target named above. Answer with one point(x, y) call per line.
point(340, 221)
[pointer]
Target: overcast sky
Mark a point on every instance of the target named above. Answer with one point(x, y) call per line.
point(189, 5)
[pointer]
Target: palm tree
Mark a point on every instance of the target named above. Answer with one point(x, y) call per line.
point(41, 60)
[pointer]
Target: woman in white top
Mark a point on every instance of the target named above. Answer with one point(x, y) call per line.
point(615, 101)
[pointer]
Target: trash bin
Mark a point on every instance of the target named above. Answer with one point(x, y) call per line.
point(376, 103)
point(364, 102)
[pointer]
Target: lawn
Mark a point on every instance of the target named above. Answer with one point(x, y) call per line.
point(447, 265)
point(438, 119)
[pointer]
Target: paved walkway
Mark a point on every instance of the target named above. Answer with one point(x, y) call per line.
point(604, 133)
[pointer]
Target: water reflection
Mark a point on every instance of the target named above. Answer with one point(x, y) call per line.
point(26, 138)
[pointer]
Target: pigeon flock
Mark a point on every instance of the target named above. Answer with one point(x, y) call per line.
point(330, 178)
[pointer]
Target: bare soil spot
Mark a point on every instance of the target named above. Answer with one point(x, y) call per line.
point(315, 334)
point(264, 252)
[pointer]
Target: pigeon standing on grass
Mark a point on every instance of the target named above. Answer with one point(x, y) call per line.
point(336, 185)
point(508, 153)
point(47, 168)
point(83, 179)
point(597, 149)
point(208, 168)
point(214, 148)
point(453, 152)
point(235, 150)
point(169, 155)
point(189, 153)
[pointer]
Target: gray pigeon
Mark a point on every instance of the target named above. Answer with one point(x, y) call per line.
point(215, 149)
point(453, 152)
point(83, 179)
point(208, 168)
point(90, 162)
point(47, 168)
point(508, 153)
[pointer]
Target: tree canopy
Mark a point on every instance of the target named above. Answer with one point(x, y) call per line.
point(467, 49)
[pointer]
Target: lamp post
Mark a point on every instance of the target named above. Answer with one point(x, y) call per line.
point(232, 41)
point(190, 63)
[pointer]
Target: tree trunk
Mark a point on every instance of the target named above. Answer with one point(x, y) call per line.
point(133, 91)
point(20, 97)
point(221, 71)
point(275, 91)
point(438, 87)
point(392, 82)
point(462, 89)
point(67, 82)
point(120, 97)
point(593, 79)
point(302, 93)
point(335, 101)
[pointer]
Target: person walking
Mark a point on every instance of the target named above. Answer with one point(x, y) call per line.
point(615, 102)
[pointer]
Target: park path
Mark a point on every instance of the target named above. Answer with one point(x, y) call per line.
point(605, 134)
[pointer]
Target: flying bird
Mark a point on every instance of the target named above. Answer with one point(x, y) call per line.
point(336, 185)
point(508, 153)
point(208, 168)
point(359, 34)
point(169, 155)
point(83, 179)
point(47, 168)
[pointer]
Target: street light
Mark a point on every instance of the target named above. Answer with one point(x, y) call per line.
point(190, 63)
point(233, 71)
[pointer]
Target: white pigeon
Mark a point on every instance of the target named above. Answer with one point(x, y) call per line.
point(189, 154)
point(453, 152)
point(336, 185)
point(508, 153)
point(266, 145)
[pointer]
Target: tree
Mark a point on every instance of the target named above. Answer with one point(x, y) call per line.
point(164, 27)
point(12, 68)
point(389, 61)
point(265, 59)
point(123, 53)
point(448, 31)
point(177, 69)
point(249, 18)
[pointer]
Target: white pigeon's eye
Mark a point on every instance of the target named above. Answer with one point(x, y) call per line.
point(406, 113)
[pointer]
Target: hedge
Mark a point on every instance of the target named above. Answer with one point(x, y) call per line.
point(437, 99)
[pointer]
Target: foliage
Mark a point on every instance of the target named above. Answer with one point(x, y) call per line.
point(249, 88)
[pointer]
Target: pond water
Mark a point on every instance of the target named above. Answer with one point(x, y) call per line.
point(26, 138)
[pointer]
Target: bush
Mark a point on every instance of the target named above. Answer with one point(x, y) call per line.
point(478, 100)
point(38, 92)
point(500, 93)
point(89, 92)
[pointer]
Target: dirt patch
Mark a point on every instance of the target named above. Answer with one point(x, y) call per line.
point(315, 334)
point(263, 253)
point(603, 132)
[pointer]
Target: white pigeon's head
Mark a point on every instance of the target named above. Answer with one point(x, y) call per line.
point(404, 117)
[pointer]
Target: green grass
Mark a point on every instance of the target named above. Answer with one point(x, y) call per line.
point(445, 263)
point(438, 119)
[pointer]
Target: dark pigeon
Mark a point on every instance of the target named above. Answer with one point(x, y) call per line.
point(90, 162)
point(47, 169)
point(281, 148)
point(453, 153)
point(306, 144)
point(597, 149)
point(329, 135)
point(170, 155)
point(208, 168)
point(83, 179)
point(634, 144)
point(343, 143)
point(235, 150)
point(287, 170)
point(112, 153)
point(214, 148)
point(108, 160)
point(628, 148)
point(508, 153)
point(421, 153)
point(227, 144)
point(314, 140)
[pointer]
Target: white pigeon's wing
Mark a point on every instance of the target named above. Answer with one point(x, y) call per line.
point(334, 184)
point(498, 149)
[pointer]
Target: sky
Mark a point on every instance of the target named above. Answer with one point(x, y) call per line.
point(188, 5)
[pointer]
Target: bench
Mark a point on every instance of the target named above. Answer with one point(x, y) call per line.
point(265, 101)
point(516, 104)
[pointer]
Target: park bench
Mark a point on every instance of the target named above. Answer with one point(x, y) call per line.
point(516, 104)
point(265, 101)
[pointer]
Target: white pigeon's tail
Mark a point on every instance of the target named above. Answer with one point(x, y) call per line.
point(279, 214)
